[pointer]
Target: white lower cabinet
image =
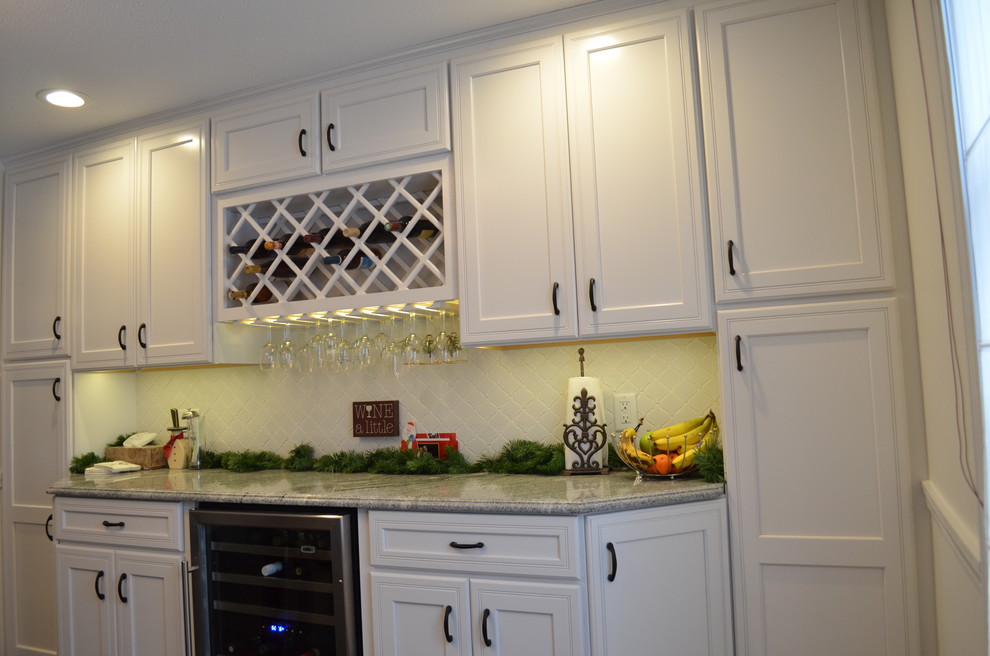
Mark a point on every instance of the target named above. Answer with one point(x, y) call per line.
point(658, 581)
point(459, 583)
point(118, 596)
point(428, 615)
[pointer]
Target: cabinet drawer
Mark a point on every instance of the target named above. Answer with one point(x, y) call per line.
point(120, 523)
point(504, 544)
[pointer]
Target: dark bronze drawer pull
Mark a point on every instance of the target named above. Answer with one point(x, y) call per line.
point(461, 545)
point(113, 524)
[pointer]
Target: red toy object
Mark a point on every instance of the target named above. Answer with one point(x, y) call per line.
point(434, 443)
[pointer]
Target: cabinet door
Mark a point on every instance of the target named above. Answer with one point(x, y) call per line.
point(639, 220)
point(414, 615)
point(814, 441)
point(259, 143)
point(516, 245)
point(793, 140)
point(173, 324)
point(149, 604)
point(103, 232)
point(35, 279)
point(527, 618)
point(86, 625)
point(386, 118)
point(34, 456)
point(659, 581)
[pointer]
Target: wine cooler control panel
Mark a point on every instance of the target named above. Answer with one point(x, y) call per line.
point(382, 242)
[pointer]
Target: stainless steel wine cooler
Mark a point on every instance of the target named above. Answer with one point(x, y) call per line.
point(274, 583)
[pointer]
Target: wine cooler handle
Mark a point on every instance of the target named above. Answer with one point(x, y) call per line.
point(732, 263)
point(56, 324)
point(739, 366)
point(556, 308)
point(302, 134)
point(591, 295)
point(484, 627)
point(186, 607)
point(446, 624)
point(55, 383)
point(330, 129)
point(96, 586)
point(142, 335)
point(614, 567)
point(48, 534)
point(473, 545)
point(120, 338)
point(120, 588)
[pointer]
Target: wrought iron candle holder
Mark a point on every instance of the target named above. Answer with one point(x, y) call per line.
point(584, 436)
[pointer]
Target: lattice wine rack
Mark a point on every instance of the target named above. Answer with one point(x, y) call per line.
point(375, 243)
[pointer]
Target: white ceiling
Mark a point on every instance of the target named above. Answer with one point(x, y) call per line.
point(134, 58)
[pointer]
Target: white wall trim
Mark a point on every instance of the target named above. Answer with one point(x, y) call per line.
point(961, 536)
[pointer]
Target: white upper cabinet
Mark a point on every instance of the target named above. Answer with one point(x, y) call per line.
point(141, 265)
point(386, 118)
point(173, 287)
point(639, 221)
point(104, 258)
point(365, 120)
point(516, 246)
point(260, 142)
point(631, 257)
point(35, 256)
point(795, 162)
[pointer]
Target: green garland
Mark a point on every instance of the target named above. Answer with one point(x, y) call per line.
point(516, 457)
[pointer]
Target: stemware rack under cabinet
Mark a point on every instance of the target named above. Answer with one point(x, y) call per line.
point(304, 225)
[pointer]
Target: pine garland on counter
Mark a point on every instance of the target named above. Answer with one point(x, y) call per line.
point(516, 457)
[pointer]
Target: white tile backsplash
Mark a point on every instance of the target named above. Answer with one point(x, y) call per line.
point(496, 396)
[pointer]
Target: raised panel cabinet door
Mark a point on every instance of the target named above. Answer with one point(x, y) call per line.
point(528, 618)
point(35, 453)
point(173, 322)
point(420, 615)
point(817, 473)
point(515, 236)
point(35, 243)
point(268, 141)
point(639, 219)
point(659, 581)
point(797, 188)
point(149, 605)
point(86, 622)
point(104, 264)
point(386, 118)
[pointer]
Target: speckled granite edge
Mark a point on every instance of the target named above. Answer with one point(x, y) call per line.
point(491, 493)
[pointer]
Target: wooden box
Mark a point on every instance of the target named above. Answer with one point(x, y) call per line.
point(149, 457)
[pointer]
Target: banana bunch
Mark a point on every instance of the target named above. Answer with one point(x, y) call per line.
point(679, 436)
point(710, 436)
point(629, 450)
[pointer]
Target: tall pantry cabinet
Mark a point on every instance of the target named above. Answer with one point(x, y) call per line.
point(812, 391)
point(36, 394)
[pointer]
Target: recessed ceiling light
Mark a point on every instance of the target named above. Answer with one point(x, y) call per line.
point(62, 97)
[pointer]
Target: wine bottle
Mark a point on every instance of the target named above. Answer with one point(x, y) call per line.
point(362, 262)
point(279, 243)
point(422, 229)
point(265, 294)
point(340, 239)
point(271, 568)
point(282, 269)
point(246, 246)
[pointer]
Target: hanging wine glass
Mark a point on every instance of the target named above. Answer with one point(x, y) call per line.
point(267, 358)
point(304, 354)
point(412, 345)
point(330, 347)
point(391, 353)
point(345, 347)
point(285, 359)
point(362, 344)
point(430, 346)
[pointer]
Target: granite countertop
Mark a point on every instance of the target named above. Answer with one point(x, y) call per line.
point(493, 493)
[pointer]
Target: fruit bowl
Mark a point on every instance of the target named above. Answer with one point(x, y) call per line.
point(666, 453)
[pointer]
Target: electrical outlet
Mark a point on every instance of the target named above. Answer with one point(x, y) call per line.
point(624, 411)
